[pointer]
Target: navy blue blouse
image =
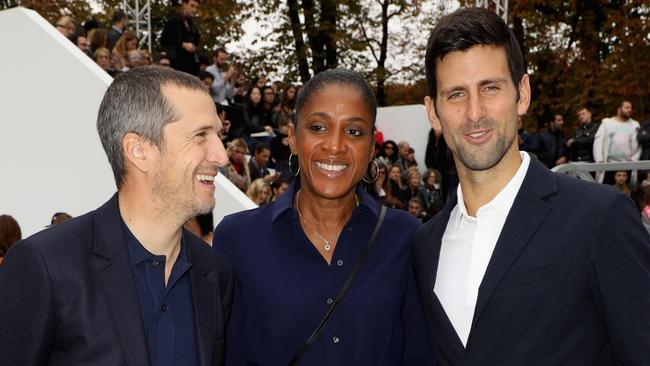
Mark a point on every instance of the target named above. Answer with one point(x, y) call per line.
point(283, 287)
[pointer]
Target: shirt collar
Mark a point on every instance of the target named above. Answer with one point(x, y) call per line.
point(285, 202)
point(502, 202)
point(139, 253)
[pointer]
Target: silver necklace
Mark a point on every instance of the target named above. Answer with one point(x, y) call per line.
point(328, 245)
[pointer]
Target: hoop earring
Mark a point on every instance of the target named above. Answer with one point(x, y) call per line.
point(373, 180)
point(290, 168)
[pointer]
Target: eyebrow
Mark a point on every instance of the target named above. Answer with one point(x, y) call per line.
point(204, 128)
point(480, 83)
point(328, 117)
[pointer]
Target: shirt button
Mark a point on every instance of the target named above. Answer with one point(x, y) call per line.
point(339, 263)
point(335, 339)
point(329, 301)
point(164, 307)
point(155, 263)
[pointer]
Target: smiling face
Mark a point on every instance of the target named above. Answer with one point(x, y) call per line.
point(192, 152)
point(333, 140)
point(477, 107)
point(255, 96)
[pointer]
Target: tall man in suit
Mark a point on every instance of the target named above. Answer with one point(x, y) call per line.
point(522, 266)
point(126, 284)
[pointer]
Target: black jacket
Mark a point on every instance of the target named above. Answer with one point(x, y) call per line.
point(582, 148)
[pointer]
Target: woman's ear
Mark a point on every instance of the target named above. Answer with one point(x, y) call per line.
point(292, 139)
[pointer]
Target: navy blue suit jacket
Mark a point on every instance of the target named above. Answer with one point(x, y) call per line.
point(68, 297)
point(568, 282)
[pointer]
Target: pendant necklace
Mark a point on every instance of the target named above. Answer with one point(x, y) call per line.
point(328, 245)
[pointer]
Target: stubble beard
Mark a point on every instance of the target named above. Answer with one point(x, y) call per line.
point(481, 157)
point(176, 204)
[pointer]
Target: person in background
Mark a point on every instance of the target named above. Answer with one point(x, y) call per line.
point(397, 194)
point(206, 78)
point(221, 89)
point(388, 153)
point(128, 42)
point(84, 45)
point(258, 165)
point(67, 26)
point(180, 38)
point(581, 145)
point(621, 182)
point(59, 217)
point(616, 140)
point(225, 134)
point(201, 226)
point(309, 240)
point(102, 57)
point(237, 169)
point(416, 208)
point(435, 198)
point(9, 234)
point(525, 139)
point(162, 60)
point(98, 38)
point(259, 192)
point(278, 187)
point(288, 100)
point(120, 22)
point(551, 143)
point(414, 187)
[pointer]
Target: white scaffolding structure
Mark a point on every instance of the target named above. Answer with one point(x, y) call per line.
point(139, 15)
point(500, 7)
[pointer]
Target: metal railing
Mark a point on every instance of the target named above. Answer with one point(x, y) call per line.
point(581, 170)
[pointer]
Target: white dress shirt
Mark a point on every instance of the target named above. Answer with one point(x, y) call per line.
point(467, 246)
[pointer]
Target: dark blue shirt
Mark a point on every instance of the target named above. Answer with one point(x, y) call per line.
point(283, 287)
point(167, 312)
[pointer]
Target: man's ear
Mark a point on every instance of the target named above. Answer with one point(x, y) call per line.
point(292, 139)
point(137, 151)
point(430, 106)
point(524, 95)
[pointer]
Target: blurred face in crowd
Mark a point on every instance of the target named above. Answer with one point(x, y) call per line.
point(269, 95)
point(333, 140)
point(134, 59)
point(190, 8)
point(415, 209)
point(103, 58)
point(584, 116)
point(83, 44)
point(476, 106)
point(131, 44)
point(277, 192)
point(238, 155)
point(291, 93)
point(255, 96)
point(625, 110)
point(404, 149)
point(414, 180)
point(558, 122)
point(394, 173)
point(265, 192)
point(389, 149)
point(261, 82)
point(66, 26)
point(620, 178)
point(262, 157)
point(185, 167)
point(164, 62)
point(207, 81)
point(221, 60)
point(432, 180)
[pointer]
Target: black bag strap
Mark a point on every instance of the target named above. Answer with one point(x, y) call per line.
point(346, 285)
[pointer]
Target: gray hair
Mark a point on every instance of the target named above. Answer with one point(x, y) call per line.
point(134, 102)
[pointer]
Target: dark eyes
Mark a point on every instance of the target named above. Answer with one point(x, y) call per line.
point(318, 128)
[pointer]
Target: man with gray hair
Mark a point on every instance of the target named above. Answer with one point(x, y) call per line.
point(126, 284)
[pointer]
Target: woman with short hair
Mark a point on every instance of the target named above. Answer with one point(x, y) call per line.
point(293, 258)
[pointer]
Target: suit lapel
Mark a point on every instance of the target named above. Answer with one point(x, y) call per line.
point(432, 254)
point(204, 298)
point(118, 284)
point(526, 215)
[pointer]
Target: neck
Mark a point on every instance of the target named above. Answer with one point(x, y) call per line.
point(327, 214)
point(480, 187)
point(621, 118)
point(150, 222)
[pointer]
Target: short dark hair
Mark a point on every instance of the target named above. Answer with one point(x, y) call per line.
point(466, 28)
point(218, 51)
point(118, 16)
point(261, 146)
point(204, 75)
point(336, 76)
